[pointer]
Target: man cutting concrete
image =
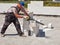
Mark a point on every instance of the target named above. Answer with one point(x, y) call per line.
point(12, 17)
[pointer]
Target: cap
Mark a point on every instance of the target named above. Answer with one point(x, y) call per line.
point(21, 3)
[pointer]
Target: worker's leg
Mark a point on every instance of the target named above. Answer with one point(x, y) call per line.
point(6, 24)
point(18, 28)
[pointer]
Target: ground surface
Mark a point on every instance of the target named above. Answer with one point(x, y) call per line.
point(52, 36)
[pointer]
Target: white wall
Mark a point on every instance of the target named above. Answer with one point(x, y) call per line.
point(5, 6)
point(37, 8)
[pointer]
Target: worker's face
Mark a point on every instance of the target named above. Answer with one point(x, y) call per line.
point(19, 6)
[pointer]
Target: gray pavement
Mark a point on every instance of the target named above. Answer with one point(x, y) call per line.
point(52, 37)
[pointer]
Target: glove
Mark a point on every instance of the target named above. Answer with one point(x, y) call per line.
point(26, 17)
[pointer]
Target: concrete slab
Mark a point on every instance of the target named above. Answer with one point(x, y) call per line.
point(52, 36)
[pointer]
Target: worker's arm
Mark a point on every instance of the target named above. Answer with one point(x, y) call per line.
point(23, 10)
point(16, 14)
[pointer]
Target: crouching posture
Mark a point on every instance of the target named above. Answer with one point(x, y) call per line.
point(12, 17)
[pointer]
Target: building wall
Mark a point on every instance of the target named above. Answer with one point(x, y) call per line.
point(37, 7)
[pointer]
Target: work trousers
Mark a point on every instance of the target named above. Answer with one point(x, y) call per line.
point(10, 18)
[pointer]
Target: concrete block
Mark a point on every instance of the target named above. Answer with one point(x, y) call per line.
point(34, 28)
point(37, 3)
point(25, 24)
point(47, 27)
point(50, 25)
point(25, 32)
point(32, 23)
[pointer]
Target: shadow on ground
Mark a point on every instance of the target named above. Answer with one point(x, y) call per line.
point(11, 34)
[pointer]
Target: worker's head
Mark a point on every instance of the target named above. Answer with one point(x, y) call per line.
point(21, 3)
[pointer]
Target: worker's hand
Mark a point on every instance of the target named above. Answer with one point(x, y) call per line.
point(26, 17)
